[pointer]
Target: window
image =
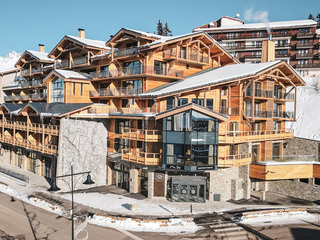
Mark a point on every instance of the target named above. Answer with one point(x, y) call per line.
point(160, 68)
point(170, 103)
point(198, 101)
point(132, 68)
point(182, 101)
point(224, 91)
point(124, 103)
point(74, 88)
point(209, 103)
point(58, 91)
point(81, 89)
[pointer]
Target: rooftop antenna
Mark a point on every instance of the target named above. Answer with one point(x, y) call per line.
point(237, 16)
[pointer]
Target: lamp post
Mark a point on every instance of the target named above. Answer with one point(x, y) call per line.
point(55, 188)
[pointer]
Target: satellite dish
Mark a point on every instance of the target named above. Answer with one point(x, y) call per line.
point(238, 15)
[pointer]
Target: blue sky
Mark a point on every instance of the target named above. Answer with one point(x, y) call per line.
point(25, 23)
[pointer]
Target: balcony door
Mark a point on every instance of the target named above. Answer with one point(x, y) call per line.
point(255, 153)
point(160, 68)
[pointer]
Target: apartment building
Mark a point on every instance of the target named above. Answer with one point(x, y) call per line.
point(175, 117)
point(297, 42)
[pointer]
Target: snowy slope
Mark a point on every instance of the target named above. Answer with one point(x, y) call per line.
point(308, 111)
point(8, 62)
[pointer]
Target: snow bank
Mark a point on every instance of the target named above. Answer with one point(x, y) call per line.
point(129, 224)
point(275, 218)
point(308, 112)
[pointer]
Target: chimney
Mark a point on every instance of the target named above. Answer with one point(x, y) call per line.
point(41, 48)
point(81, 33)
point(268, 50)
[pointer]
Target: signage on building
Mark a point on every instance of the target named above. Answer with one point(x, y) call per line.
point(205, 167)
point(175, 167)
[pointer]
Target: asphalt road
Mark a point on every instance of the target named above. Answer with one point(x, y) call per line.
point(19, 220)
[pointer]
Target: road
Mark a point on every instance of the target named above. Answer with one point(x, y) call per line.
point(19, 220)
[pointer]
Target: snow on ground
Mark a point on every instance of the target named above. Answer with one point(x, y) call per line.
point(129, 224)
point(19, 191)
point(121, 204)
point(308, 112)
point(298, 217)
point(8, 62)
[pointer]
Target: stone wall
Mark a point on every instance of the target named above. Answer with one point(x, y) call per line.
point(226, 183)
point(244, 148)
point(301, 146)
point(83, 144)
point(295, 189)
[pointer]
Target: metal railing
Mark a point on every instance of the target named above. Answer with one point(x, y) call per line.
point(305, 45)
point(259, 113)
point(305, 34)
point(283, 55)
point(139, 70)
point(103, 92)
point(125, 52)
point(263, 93)
point(308, 65)
point(283, 114)
point(302, 158)
point(281, 95)
point(304, 55)
point(26, 97)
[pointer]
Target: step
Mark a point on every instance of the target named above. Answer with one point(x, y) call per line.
point(229, 229)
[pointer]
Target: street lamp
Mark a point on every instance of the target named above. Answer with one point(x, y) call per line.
point(55, 188)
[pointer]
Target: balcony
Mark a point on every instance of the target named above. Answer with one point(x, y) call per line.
point(136, 71)
point(281, 34)
point(282, 45)
point(32, 127)
point(251, 57)
point(253, 46)
point(286, 55)
point(235, 160)
point(283, 114)
point(73, 63)
point(125, 52)
point(284, 96)
point(304, 45)
point(309, 65)
point(115, 92)
point(254, 136)
point(304, 55)
point(142, 135)
point(27, 72)
point(192, 57)
point(28, 97)
point(7, 139)
point(305, 35)
point(237, 47)
point(259, 93)
point(137, 156)
point(259, 113)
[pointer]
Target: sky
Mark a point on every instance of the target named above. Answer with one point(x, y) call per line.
point(26, 23)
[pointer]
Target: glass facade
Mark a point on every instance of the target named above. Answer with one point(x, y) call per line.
point(58, 91)
point(191, 139)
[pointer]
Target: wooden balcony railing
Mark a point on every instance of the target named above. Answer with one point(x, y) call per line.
point(35, 96)
point(139, 70)
point(32, 127)
point(75, 62)
point(125, 52)
point(283, 114)
point(137, 156)
point(235, 160)
point(253, 136)
point(193, 56)
point(142, 134)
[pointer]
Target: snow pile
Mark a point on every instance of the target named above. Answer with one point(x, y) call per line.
point(308, 111)
point(7, 63)
point(274, 218)
point(137, 225)
point(120, 204)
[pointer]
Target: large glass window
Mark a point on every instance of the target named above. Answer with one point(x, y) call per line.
point(58, 91)
point(131, 68)
point(190, 138)
point(160, 68)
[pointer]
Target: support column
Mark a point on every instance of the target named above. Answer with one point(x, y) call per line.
point(150, 185)
point(134, 180)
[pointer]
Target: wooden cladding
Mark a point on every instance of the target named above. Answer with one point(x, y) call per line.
point(285, 171)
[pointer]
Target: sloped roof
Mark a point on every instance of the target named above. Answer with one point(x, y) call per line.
point(13, 108)
point(211, 76)
point(42, 56)
point(272, 25)
point(192, 106)
point(68, 74)
point(89, 42)
point(55, 109)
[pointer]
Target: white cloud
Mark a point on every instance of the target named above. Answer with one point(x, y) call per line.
point(256, 16)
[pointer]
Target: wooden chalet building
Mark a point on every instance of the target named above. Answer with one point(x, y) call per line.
point(176, 117)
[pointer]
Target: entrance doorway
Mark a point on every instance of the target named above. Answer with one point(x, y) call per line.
point(188, 189)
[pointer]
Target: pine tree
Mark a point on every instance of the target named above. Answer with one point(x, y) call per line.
point(311, 17)
point(318, 20)
point(159, 28)
point(166, 30)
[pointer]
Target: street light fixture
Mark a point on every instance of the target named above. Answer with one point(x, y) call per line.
point(54, 188)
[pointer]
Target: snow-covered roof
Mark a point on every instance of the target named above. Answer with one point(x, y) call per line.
point(272, 25)
point(318, 31)
point(89, 42)
point(145, 33)
point(211, 76)
point(42, 56)
point(102, 55)
point(71, 74)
